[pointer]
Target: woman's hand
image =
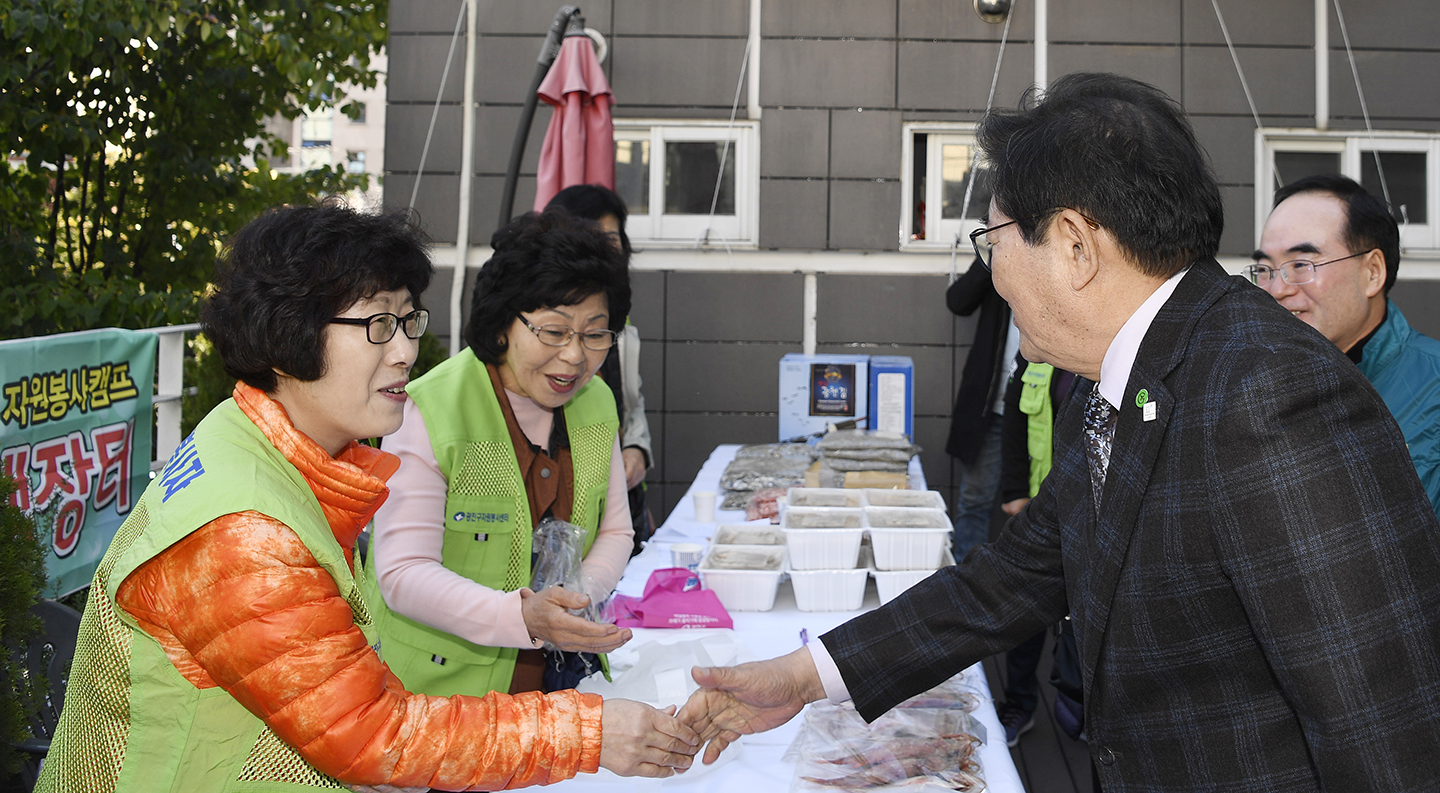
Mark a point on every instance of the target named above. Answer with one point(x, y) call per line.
point(638, 740)
point(546, 617)
point(1012, 508)
point(634, 460)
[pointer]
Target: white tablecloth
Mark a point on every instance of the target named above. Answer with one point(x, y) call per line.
point(756, 767)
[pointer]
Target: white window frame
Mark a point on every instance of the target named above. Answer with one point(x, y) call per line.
point(1418, 236)
point(658, 229)
point(940, 233)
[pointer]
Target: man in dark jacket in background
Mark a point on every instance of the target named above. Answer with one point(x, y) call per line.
point(975, 428)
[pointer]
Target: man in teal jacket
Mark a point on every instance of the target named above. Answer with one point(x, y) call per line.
point(1329, 253)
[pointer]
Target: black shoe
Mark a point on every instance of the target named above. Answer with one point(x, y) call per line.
point(1016, 722)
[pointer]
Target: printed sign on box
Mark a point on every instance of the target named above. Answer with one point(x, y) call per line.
point(832, 389)
point(75, 435)
point(816, 390)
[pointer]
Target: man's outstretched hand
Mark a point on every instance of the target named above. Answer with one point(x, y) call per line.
point(749, 698)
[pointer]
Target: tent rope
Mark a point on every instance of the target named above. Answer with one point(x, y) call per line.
point(435, 111)
point(975, 160)
point(725, 150)
point(1364, 110)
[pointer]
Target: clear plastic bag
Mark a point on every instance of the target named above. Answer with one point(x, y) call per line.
point(929, 742)
point(785, 451)
point(757, 473)
point(736, 499)
point(560, 549)
point(863, 439)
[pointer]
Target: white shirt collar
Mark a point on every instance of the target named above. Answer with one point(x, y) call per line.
point(1120, 355)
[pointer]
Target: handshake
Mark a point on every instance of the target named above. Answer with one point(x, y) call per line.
point(732, 701)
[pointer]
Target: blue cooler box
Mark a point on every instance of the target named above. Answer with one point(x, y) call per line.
point(816, 390)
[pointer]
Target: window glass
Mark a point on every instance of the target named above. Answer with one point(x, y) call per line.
point(955, 174)
point(632, 174)
point(1292, 165)
point(920, 154)
point(359, 113)
point(355, 162)
point(1404, 178)
point(691, 168)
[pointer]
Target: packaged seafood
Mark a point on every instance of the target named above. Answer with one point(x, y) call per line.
point(748, 535)
point(918, 748)
point(760, 472)
point(738, 588)
point(906, 518)
point(821, 518)
point(784, 451)
point(922, 499)
point(743, 557)
point(736, 499)
point(824, 497)
point(764, 504)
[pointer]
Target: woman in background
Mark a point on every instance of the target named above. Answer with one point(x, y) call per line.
point(621, 370)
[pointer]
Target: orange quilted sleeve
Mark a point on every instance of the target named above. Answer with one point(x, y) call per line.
point(241, 603)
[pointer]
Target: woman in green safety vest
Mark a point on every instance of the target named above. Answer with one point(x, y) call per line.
point(513, 429)
point(226, 643)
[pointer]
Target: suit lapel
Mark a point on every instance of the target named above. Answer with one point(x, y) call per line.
point(1137, 445)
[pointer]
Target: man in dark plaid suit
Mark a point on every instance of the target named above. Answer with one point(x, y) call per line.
point(1232, 519)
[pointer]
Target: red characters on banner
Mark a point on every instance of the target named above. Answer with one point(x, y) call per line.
point(57, 475)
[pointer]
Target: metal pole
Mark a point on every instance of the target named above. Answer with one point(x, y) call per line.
point(752, 98)
point(467, 173)
point(548, 52)
point(1322, 65)
point(807, 340)
point(1042, 45)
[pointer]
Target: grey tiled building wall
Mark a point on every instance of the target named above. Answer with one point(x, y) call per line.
point(838, 78)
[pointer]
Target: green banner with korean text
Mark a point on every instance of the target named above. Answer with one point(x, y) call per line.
point(75, 424)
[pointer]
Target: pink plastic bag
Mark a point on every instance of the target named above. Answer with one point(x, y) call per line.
point(673, 599)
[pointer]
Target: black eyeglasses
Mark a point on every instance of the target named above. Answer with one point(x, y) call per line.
point(380, 328)
point(981, 242)
point(560, 335)
point(1294, 273)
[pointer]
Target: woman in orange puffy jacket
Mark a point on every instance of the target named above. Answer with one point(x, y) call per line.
point(226, 645)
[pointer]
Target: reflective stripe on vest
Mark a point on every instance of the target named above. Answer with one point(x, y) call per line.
point(487, 517)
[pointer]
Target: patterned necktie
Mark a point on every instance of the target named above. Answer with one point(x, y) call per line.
point(1100, 419)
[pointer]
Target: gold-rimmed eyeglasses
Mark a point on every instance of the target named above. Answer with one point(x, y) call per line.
point(560, 335)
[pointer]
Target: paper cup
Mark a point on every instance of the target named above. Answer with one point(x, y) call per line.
point(705, 506)
point(686, 554)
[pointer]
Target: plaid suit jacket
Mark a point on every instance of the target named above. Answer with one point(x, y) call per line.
point(1257, 603)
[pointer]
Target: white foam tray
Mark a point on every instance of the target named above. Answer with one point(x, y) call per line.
point(744, 590)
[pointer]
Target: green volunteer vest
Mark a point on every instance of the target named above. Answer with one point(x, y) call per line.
point(1035, 403)
point(487, 517)
point(131, 721)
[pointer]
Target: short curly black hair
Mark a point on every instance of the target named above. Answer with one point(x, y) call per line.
point(544, 260)
point(286, 273)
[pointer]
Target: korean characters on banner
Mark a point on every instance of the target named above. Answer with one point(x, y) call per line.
point(75, 424)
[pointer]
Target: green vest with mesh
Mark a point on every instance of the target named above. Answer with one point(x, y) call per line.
point(487, 517)
point(1040, 425)
point(131, 721)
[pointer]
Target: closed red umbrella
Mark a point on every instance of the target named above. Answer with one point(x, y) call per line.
point(580, 142)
